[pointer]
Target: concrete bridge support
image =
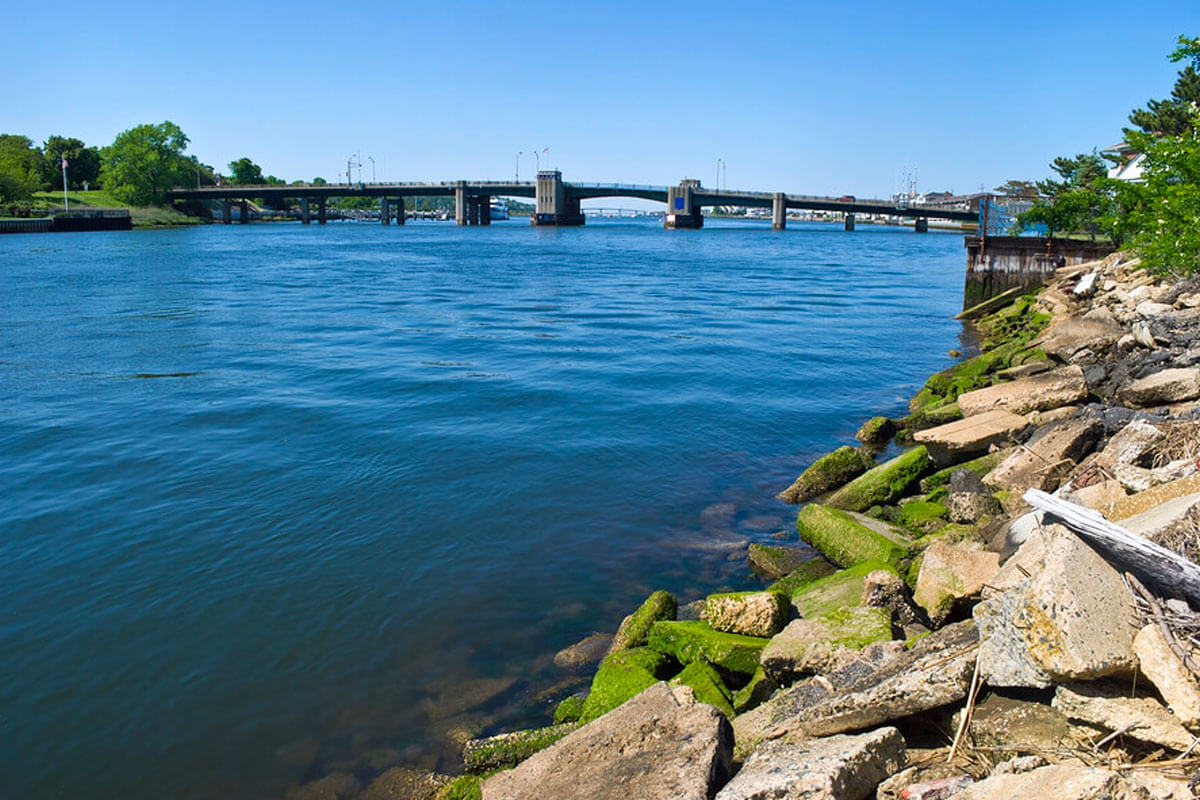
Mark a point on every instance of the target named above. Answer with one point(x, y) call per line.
point(850, 222)
point(245, 212)
point(385, 211)
point(778, 212)
point(321, 211)
point(305, 217)
point(682, 211)
point(226, 212)
point(400, 215)
point(921, 225)
point(461, 209)
point(554, 205)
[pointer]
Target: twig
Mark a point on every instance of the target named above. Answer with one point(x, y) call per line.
point(1096, 747)
point(1188, 752)
point(967, 713)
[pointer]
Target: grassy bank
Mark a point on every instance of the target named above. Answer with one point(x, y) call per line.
point(143, 216)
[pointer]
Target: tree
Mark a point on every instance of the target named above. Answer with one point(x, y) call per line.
point(1017, 188)
point(319, 181)
point(245, 172)
point(1173, 116)
point(144, 162)
point(1080, 202)
point(83, 163)
point(20, 168)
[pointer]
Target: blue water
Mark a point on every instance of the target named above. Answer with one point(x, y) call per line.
point(272, 494)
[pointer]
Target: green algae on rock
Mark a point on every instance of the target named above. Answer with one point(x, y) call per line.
point(802, 576)
point(774, 562)
point(658, 606)
point(827, 472)
point(920, 513)
point(875, 432)
point(980, 466)
point(749, 613)
point(569, 710)
point(842, 589)
point(688, 642)
point(510, 749)
point(707, 684)
point(882, 484)
point(756, 691)
point(623, 675)
point(848, 539)
point(813, 644)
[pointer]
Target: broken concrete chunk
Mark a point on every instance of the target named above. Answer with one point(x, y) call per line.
point(1060, 387)
point(1046, 459)
point(882, 484)
point(813, 645)
point(847, 538)
point(951, 573)
point(748, 613)
point(827, 473)
point(1059, 781)
point(970, 437)
point(830, 768)
point(1141, 718)
point(1168, 386)
point(1177, 685)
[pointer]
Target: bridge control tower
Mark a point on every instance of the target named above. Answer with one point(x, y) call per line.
point(554, 205)
point(682, 209)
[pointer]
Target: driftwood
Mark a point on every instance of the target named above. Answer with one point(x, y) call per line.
point(1169, 573)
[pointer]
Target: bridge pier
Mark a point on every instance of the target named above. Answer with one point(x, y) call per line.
point(245, 211)
point(485, 210)
point(385, 211)
point(400, 215)
point(321, 211)
point(778, 212)
point(682, 211)
point(849, 221)
point(226, 212)
point(305, 218)
point(461, 209)
point(921, 225)
point(554, 205)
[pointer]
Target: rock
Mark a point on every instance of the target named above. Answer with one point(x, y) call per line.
point(761, 614)
point(1177, 685)
point(1011, 725)
point(848, 539)
point(831, 768)
point(922, 515)
point(970, 507)
point(951, 573)
point(774, 562)
point(706, 684)
point(1062, 339)
point(1019, 764)
point(802, 576)
point(842, 589)
point(876, 688)
point(1048, 456)
point(570, 709)
point(1142, 336)
point(1154, 522)
point(876, 432)
point(940, 789)
point(928, 780)
point(466, 695)
point(623, 675)
point(979, 467)
point(812, 645)
point(584, 652)
point(335, 786)
point(661, 745)
point(1102, 496)
point(1156, 496)
point(1059, 781)
point(885, 589)
point(633, 631)
point(1158, 786)
point(510, 749)
point(826, 473)
point(970, 437)
point(1148, 308)
point(882, 484)
point(1160, 388)
point(696, 641)
point(405, 783)
point(1141, 718)
point(1133, 444)
point(691, 612)
point(756, 691)
point(1072, 620)
point(1139, 479)
point(1060, 387)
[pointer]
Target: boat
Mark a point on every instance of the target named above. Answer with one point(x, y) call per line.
point(499, 208)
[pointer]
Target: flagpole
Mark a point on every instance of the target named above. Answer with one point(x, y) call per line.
point(66, 204)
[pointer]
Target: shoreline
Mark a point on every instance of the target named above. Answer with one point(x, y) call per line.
point(920, 555)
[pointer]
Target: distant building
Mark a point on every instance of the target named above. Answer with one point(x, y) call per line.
point(1129, 165)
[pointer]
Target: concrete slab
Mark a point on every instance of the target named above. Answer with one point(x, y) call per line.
point(969, 437)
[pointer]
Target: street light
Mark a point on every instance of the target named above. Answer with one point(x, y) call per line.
point(538, 156)
point(517, 173)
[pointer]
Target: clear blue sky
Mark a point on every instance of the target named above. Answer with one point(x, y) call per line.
point(827, 98)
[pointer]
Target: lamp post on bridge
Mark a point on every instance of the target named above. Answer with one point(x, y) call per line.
point(372, 160)
point(538, 159)
point(517, 172)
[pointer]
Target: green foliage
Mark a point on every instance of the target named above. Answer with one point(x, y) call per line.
point(1017, 188)
point(144, 162)
point(1078, 202)
point(1173, 116)
point(20, 168)
point(245, 172)
point(83, 163)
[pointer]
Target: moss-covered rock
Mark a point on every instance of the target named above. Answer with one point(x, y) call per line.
point(658, 606)
point(464, 787)
point(876, 432)
point(623, 675)
point(707, 684)
point(848, 539)
point(760, 614)
point(812, 645)
point(827, 472)
point(882, 484)
point(755, 692)
point(802, 576)
point(774, 562)
point(980, 466)
point(569, 710)
point(921, 514)
point(842, 589)
point(688, 642)
point(510, 749)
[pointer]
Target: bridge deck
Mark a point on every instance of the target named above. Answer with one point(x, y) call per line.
point(584, 191)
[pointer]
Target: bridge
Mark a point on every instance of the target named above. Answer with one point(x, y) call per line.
point(558, 202)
